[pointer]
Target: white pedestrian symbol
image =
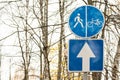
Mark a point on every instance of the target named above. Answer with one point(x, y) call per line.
point(78, 20)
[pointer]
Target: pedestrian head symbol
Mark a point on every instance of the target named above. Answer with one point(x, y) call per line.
point(78, 14)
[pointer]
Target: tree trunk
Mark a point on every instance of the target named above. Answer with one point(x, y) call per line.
point(116, 66)
point(61, 10)
point(45, 41)
point(26, 54)
point(90, 2)
point(41, 52)
point(26, 77)
point(96, 75)
point(41, 68)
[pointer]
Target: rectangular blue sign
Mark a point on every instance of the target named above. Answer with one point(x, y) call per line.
point(85, 55)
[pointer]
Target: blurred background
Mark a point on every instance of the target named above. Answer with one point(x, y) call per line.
point(34, 37)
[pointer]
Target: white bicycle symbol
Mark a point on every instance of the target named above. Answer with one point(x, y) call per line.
point(93, 22)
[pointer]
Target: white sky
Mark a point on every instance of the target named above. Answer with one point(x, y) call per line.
point(6, 30)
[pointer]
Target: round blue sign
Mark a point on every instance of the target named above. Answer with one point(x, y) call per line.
point(86, 21)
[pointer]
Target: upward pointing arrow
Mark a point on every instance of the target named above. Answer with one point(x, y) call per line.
point(86, 53)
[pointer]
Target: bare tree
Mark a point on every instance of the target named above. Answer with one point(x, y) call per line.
point(45, 40)
point(115, 69)
point(31, 21)
point(24, 45)
point(61, 10)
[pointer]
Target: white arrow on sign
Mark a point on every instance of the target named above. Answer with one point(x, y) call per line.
point(86, 53)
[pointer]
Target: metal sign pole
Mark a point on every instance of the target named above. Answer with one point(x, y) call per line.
point(85, 75)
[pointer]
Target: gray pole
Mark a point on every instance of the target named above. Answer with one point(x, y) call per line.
point(85, 75)
point(10, 69)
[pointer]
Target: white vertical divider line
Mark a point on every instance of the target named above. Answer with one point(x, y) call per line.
point(85, 73)
point(86, 22)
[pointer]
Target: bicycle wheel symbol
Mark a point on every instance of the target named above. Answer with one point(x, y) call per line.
point(93, 22)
